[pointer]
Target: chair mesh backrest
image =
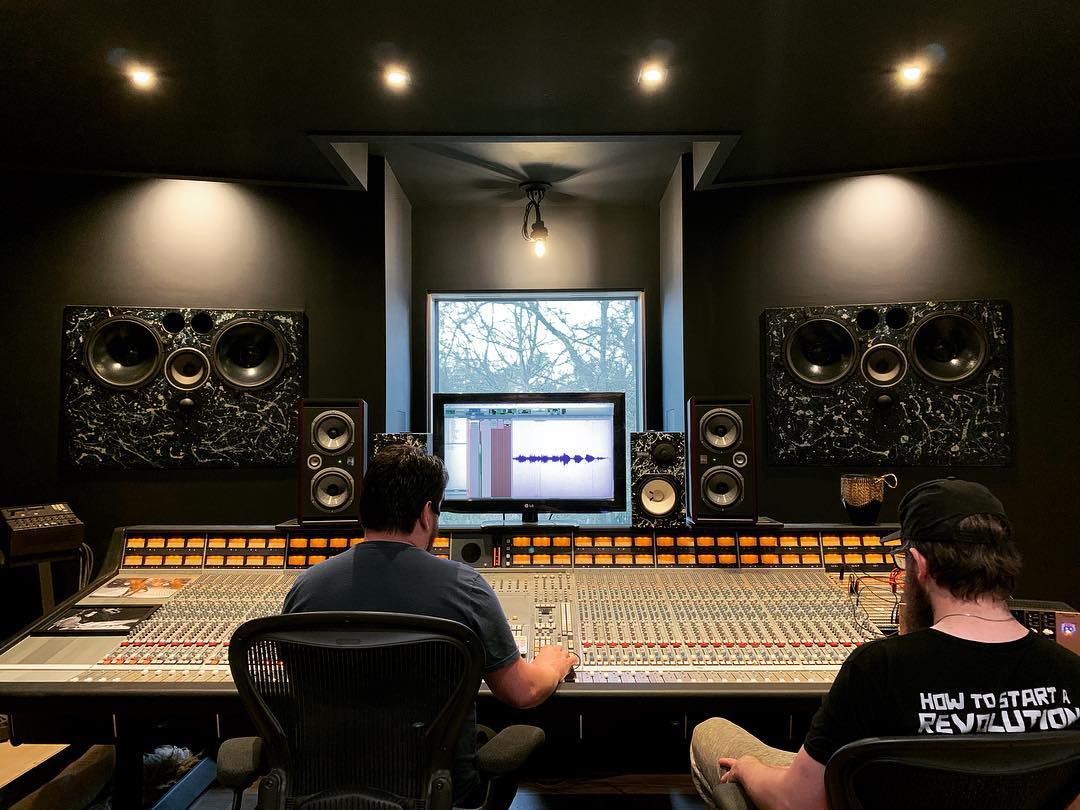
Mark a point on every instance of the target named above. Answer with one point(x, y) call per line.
point(984, 771)
point(357, 703)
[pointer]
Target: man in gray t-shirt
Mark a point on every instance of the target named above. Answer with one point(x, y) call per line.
point(392, 571)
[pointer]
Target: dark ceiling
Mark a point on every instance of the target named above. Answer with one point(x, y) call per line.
point(809, 84)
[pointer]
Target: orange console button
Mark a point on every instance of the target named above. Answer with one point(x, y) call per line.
point(767, 541)
point(174, 560)
point(684, 542)
point(315, 559)
point(355, 541)
point(665, 542)
point(725, 542)
point(604, 559)
point(807, 540)
point(788, 540)
point(541, 559)
point(299, 542)
point(174, 542)
point(770, 559)
point(875, 559)
point(193, 559)
point(852, 540)
point(255, 560)
point(136, 542)
point(442, 542)
point(275, 561)
point(237, 542)
point(317, 542)
point(521, 542)
point(790, 559)
point(583, 541)
point(152, 560)
point(256, 542)
point(155, 542)
point(643, 559)
point(748, 559)
point(541, 542)
point(811, 559)
point(195, 542)
point(561, 559)
point(747, 541)
point(215, 560)
point(521, 559)
point(871, 540)
point(834, 559)
point(583, 559)
point(706, 559)
point(624, 542)
point(624, 559)
point(853, 559)
point(705, 542)
point(234, 559)
point(830, 540)
point(216, 542)
point(603, 541)
point(687, 559)
point(296, 559)
point(643, 541)
point(665, 559)
point(276, 542)
point(341, 542)
point(133, 560)
point(560, 542)
point(727, 559)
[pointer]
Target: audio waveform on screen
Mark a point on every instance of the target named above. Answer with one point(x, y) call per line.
point(565, 458)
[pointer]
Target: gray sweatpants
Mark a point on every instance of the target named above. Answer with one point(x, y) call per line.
point(718, 737)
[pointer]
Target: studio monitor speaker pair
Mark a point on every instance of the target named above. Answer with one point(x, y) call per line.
point(150, 387)
point(658, 479)
point(721, 461)
point(923, 383)
point(333, 442)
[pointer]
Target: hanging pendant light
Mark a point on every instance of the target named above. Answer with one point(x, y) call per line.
point(538, 234)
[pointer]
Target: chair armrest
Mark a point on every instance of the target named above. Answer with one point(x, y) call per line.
point(239, 761)
point(508, 750)
point(731, 796)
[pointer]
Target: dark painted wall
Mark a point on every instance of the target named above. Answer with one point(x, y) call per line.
point(1004, 232)
point(95, 240)
point(458, 248)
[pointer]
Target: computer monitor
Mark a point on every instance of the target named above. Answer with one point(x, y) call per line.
point(532, 453)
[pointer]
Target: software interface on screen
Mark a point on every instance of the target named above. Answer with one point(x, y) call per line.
point(529, 451)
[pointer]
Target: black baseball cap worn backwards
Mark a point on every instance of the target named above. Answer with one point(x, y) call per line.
point(933, 511)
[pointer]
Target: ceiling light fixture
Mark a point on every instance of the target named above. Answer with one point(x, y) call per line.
point(911, 74)
point(534, 195)
point(652, 75)
point(396, 78)
point(142, 77)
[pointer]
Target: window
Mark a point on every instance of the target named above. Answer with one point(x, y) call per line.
point(539, 342)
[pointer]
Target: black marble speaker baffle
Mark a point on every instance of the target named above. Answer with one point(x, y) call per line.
point(948, 405)
point(657, 453)
point(180, 416)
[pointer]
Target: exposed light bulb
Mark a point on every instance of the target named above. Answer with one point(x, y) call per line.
point(142, 77)
point(396, 78)
point(539, 248)
point(652, 75)
point(911, 74)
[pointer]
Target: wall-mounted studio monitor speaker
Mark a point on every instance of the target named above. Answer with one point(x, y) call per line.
point(147, 387)
point(658, 479)
point(721, 461)
point(380, 441)
point(923, 383)
point(333, 453)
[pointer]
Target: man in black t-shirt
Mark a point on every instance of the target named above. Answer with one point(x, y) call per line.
point(961, 665)
point(392, 571)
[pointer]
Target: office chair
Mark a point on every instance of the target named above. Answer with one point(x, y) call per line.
point(1039, 771)
point(361, 711)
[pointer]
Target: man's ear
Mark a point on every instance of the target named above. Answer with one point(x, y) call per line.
point(922, 568)
point(427, 517)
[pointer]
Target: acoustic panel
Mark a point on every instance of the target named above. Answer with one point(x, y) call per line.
point(147, 387)
point(919, 383)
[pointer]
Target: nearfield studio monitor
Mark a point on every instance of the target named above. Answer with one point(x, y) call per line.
point(658, 479)
point(923, 383)
point(146, 387)
point(721, 460)
point(333, 453)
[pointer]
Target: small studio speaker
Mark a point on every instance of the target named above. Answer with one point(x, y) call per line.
point(721, 461)
point(333, 442)
point(473, 550)
point(658, 479)
point(380, 441)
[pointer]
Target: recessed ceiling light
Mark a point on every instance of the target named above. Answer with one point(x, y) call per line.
point(911, 74)
point(142, 77)
point(652, 75)
point(396, 78)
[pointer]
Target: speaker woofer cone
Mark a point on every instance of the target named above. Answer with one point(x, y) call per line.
point(720, 428)
point(820, 351)
point(883, 365)
point(333, 432)
point(332, 490)
point(248, 353)
point(948, 347)
point(187, 369)
point(657, 496)
point(123, 352)
point(722, 487)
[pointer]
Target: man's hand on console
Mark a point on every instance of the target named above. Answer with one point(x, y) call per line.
point(557, 659)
